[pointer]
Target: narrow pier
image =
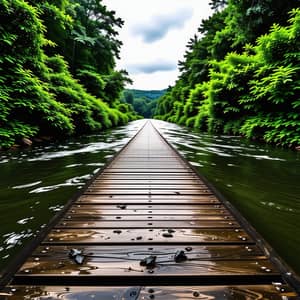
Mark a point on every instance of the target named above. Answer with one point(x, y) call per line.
point(148, 227)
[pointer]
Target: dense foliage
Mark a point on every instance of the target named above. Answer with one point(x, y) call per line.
point(57, 69)
point(143, 102)
point(242, 75)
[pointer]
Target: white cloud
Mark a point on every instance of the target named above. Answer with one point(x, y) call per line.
point(137, 52)
point(151, 67)
point(154, 81)
point(160, 25)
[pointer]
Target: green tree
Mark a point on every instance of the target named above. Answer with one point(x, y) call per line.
point(229, 85)
point(39, 95)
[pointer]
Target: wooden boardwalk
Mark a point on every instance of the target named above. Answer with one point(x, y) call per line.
point(148, 228)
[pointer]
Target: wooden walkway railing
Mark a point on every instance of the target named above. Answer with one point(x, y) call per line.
point(148, 228)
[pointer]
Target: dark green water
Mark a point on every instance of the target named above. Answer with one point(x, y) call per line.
point(261, 181)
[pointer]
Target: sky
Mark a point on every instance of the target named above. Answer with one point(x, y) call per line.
point(154, 36)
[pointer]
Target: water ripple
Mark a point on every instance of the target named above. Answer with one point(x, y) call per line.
point(95, 164)
point(261, 157)
point(24, 186)
point(56, 208)
point(25, 220)
point(89, 148)
point(73, 165)
point(75, 181)
point(12, 239)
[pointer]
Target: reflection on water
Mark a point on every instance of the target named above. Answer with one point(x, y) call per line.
point(36, 183)
point(260, 180)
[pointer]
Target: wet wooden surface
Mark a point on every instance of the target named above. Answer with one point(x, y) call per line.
point(146, 223)
point(202, 262)
point(149, 235)
point(148, 220)
point(145, 199)
point(274, 291)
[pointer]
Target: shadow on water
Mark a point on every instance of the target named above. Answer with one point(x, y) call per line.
point(260, 180)
point(37, 182)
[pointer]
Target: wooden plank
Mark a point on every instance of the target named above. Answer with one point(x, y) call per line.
point(144, 177)
point(201, 262)
point(148, 166)
point(148, 170)
point(146, 156)
point(139, 173)
point(149, 158)
point(94, 191)
point(94, 199)
point(91, 207)
point(125, 158)
point(148, 186)
point(155, 199)
point(102, 211)
point(137, 217)
point(83, 223)
point(276, 291)
point(148, 162)
point(163, 252)
point(141, 236)
point(149, 181)
point(147, 176)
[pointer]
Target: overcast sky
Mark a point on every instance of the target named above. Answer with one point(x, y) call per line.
point(154, 36)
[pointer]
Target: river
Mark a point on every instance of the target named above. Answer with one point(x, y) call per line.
point(260, 180)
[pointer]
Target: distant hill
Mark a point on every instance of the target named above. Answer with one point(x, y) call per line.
point(152, 94)
point(143, 102)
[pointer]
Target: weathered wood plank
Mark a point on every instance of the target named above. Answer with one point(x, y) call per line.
point(138, 252)
point(96, 212)
point(97, 186)
point(126, 261)
point(153, 191)
point(140, 236)
point(127, 157)
point(148, 170)
point(159, 164)
point(276, 291)
point(119, 223)
point(143, 175)
point(155, 199)
point(137, 217)
point(148, 181)
point(184, 207)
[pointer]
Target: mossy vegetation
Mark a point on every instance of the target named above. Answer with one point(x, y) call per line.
point(242, 76)
point(57, 69)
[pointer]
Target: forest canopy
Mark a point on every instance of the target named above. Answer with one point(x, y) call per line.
point(240, 73)
point(57, 69)
point(58, 77)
